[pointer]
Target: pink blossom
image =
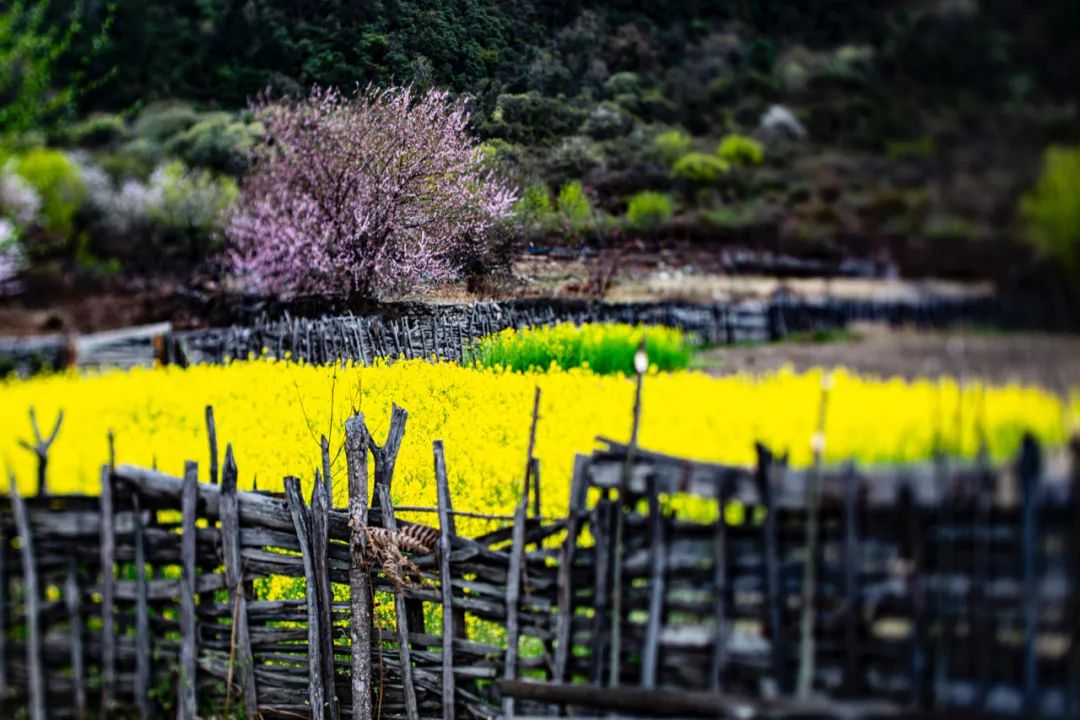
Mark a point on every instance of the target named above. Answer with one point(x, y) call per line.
point(371, 194)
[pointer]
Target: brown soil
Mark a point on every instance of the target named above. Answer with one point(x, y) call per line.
point(1034, 358)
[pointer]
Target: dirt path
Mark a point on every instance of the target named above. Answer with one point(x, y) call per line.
point(1049, 360)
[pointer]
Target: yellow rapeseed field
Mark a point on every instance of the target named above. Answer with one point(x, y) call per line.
point(274, 411)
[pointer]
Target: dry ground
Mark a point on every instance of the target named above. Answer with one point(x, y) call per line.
point(1049, 360)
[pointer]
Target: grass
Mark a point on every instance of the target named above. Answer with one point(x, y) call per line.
point(606, 349)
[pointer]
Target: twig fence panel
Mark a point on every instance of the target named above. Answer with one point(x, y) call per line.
point(942, 587)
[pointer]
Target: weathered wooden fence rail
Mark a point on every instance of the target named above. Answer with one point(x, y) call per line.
point(942, 587)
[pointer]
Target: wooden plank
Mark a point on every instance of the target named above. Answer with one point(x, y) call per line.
point(566, 562)
point(979, 602)
point(718, 655)
point(108, 584)
point(320, 507)
point(1073, 543)
point(408, 688)
point(242, 657)
point(442, 483)
point(852, 606)
point(1030, 470)
point(4, 545)
point(142, 616)
point(766, 468)
point(302, 522)
point(657, 570)
point(73, 603)
point(185, 682)
point(600, 529)
point(360, 597)
point(35, 666)
point(915, 550)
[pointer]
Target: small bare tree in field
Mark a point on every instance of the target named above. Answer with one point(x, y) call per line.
point(365, 194)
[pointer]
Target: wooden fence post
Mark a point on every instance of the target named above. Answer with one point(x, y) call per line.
point(73, 603)
point(718, 657)
point(445, 581)
point(852, 598)
point(600, 529)
point(657, 571)
point(185, 683)
point(35, 667)
point(979, 601)
point(211, 434)
point(142, 614)
point(40, 448)
point(234, 578)
point(766, 466)
point(1073, 543)
point(320, 518)
point(359, 582)
point(3, 616)
point(564, 626)
point(108, 586)
point(409, 690)
point(1030, 467)
point(302, 524)
point(908, 507)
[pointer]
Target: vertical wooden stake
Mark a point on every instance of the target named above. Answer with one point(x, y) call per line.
point(40, 448)
point(359, 582)
point(185, 683)
point(600, 528)
point(564, 629)
point(400, 611)
point(641, 365)
point(1073, 700)
point(1030, 466)
point(211, 434)
point(142, 615)
point(718, 657)
point(234, 578)
point(657, 571)
point(108, 585)
point(320, 509)
point(302, 524)
point(3, 616)
point(908, 507)
point(73, 603)
point(852, 605)
point(445, 581)
point(34, 660)
point(764, 479)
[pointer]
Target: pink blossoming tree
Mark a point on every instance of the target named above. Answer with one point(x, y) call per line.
point(368, 194)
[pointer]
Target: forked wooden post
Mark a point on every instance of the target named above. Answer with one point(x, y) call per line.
point(400, 611)
point(40, 448)
point(108, 589)
point(359, 582)
point(35, 666)
point(242, 657)
point(302, 523)
point(185, 682)
point(445, 581)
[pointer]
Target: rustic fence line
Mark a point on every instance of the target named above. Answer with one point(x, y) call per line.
point(941, 587)
point(417, 331)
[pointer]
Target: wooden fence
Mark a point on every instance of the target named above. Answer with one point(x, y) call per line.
point(671, 588)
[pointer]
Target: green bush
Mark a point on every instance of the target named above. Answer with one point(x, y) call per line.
point(191, 201)
point(574, 205)
point(218, 141)
point(699, 168)
point(1051, 210)
point(741, 150)
point(672, 145)
point(98, 130)
point(649, 209)
point(534, 207)
point(607, 349)
point(57, 180)
point(160, 121)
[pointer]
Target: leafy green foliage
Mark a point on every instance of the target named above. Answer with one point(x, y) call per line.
point(58, 182)
point(1051, 210)
point(534, 207)
point(699, 168)
point(649, 209)
point(161, 121)
point(574, 205)
point(98, 130)
point(218, 141)
point(741, 150)
point(672, 145)
point(606, 349)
